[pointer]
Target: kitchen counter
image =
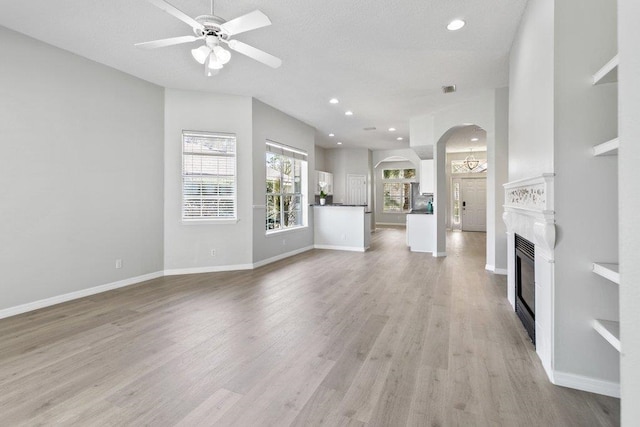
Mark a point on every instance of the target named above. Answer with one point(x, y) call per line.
point(342, 227)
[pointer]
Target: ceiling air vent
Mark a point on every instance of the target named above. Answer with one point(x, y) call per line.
point(370, 128)
point(448, 89)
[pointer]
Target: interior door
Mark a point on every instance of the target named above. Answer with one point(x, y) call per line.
point(474, 204)
point(356, 189)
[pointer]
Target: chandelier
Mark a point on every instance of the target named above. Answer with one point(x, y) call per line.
point(471, 162)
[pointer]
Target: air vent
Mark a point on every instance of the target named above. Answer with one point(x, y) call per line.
point(370, 128)
point(448, 89)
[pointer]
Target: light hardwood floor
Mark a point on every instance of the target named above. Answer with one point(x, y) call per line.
point(387, 337)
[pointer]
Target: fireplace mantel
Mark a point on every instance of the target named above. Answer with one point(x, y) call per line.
point(529, 212)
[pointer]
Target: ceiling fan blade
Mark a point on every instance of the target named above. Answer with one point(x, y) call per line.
point(172, 10)
point(167, 42)
point(248, 22)
point(256, 54)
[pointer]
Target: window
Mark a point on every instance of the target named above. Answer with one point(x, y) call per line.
point(208, 176)
point(396, 189)
point(286, 183)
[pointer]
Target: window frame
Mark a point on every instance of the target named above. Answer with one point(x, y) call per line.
point(291, 154)
point(208, 219)
point(406, 186)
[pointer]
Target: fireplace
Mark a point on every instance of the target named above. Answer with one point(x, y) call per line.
point(525, 285)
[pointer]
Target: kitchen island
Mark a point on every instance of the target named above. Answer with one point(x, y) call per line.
point(342, 227)
point(421, 232)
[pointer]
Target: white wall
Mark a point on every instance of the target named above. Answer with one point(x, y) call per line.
point(188, 246)
point(531, 70)
point(499, 159)
point(269, 123)
point(629, 175)
point(81, 165)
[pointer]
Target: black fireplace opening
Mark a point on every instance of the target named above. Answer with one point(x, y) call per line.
point(525, 285)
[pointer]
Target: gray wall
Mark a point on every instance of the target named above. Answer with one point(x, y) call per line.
point(188, 246)
point(81, 160)
point(586, 197)
point(269, 123)
point(556, 116)
point(629, 131)
point(531, 93)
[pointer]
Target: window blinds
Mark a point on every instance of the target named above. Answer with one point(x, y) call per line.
point(208, 176)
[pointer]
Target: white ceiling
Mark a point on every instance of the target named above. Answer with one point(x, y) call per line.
point(461, 140)
point(385, 60)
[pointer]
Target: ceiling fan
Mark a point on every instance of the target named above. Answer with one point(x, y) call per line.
point(215, 31)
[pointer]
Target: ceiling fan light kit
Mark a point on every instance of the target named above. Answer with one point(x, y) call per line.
point(214, 31)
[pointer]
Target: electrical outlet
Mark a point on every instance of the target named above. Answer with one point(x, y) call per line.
point(213, 252)
point(118, 263)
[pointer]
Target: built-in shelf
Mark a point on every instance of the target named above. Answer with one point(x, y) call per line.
point(609, 271)
point(609, 148)
point(609, 330)
point(608, 73)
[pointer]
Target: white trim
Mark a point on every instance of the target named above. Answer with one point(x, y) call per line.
point(404, 224)
point(210, 269)
point(494, 270)
point(342, 248)
point(35, 305)
point(439, 254)
point(281, 256)
point(589, 384)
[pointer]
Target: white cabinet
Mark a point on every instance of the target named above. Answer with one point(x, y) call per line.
point(421, 229)
point(323, 180)
point(427, 181)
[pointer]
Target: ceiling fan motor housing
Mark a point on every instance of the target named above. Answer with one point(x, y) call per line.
point(212, 27)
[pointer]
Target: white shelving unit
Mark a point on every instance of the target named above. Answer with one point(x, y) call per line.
point(609, 271)
point(608, 329)
point(608, 73)
point(609, 148)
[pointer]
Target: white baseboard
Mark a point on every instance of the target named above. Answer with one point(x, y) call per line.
point(439, 254)
point(493, 269)
point(35, 305)
point(211, 269)
point(341, 248)
point(391, 223)
point(281, 256)
point(589, 384)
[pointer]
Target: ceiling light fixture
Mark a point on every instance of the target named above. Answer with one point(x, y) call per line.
point(471, 162)
point(333, 101)
point(474, 139)
point(339, 143)
point(455, 25)
point(399, 138)
point(392, 129)
point(331, 135)
point(348, 113)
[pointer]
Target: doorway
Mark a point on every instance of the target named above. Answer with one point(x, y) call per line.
point(473, 205)
point(356, 189)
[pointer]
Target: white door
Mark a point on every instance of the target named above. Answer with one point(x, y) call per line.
point(356, 190)
point(474, 204)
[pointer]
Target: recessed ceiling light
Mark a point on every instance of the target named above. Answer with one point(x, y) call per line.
point(399, 138)
point(474, 139)
point(455, 25)
point(333, 101)
point(392, 129)
point(348, 113)
point(339, 143)
point(331, 135)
